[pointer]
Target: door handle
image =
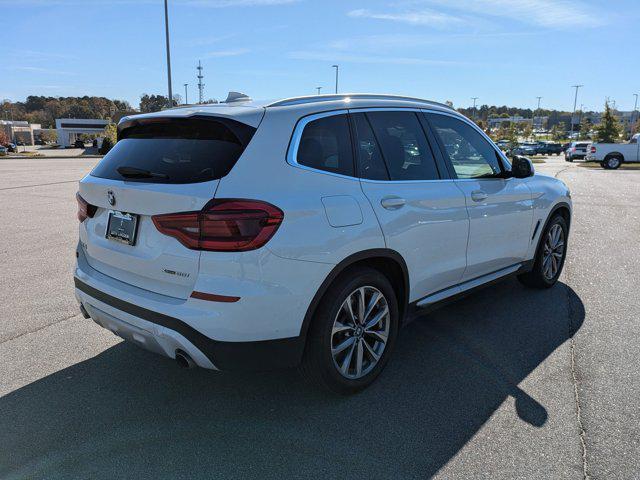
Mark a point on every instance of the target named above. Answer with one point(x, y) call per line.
point(479, 196)
point(392, 202)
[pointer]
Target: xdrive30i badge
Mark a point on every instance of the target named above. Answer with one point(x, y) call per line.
point(173, 272)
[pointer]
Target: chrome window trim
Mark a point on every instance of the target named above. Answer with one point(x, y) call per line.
point(464, 119)
point(294, 144)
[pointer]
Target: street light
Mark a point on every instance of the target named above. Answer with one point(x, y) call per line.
point(318, 89)
point(166, 29)
point(186, 96)
point(337, 68)
point(635, 111)
point(575, 101)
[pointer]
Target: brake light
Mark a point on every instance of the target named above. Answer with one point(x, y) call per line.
point(573, 149)
point(85, 210)
point(593, 149)
point(223, 225)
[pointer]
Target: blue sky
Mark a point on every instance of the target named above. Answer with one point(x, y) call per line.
point(502, 51)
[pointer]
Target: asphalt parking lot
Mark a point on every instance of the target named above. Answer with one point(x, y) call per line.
point(508, 383)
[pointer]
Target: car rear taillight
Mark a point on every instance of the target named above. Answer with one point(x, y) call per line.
point(85, 210)
point(592, 149)
point(573, 149)
point(223, 225)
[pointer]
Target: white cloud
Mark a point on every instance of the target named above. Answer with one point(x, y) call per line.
point(226, 53)
point(357, 58)
point(432, 18)
point(388, 42)
point(40, 70)
point(543, 13)
point(194, 3)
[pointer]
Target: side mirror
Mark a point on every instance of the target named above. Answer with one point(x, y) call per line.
point(521, 167)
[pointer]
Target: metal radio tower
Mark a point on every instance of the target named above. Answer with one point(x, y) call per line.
point(200, 84)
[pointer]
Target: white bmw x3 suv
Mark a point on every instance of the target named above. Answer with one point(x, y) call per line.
point(305, 231)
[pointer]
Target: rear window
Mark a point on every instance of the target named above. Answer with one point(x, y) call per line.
point(175, 150)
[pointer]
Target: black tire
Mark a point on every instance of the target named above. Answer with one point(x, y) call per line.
point(536, 277)
point(612, 162)
point(318, 365)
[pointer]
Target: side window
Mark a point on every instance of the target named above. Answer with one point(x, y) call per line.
point(370, 163)
point(325, 144)
point(404, 146)
point(471, 155)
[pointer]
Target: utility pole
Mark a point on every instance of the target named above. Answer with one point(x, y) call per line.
point(166, 29)
point(186, 95)
point(533, 120)
point(474, 107)
point(337, 68)
point(318, 89)
point(200, 84)
point(575, 102)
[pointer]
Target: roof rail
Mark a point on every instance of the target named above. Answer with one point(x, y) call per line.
point(345, 96)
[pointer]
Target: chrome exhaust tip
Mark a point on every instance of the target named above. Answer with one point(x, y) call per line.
point(184, 360)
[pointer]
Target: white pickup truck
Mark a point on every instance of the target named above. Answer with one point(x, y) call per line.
point(611, 155)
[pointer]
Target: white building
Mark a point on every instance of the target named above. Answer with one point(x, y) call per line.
point(69, 129)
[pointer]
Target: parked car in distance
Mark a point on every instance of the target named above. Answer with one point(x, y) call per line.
point(3, 150)
point(527, 149)
point(612, 155)
point(503, 145)
point(549, 148)
point(249, 235)
point(576, 151)
point(78, 144)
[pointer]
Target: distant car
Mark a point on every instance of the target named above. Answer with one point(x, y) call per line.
point(21, 144)
point(548, 148)
point(3, 150)
point(78, 144)
point(525, 149)
point(576, 151)
point(40, 142)
point(503, 144)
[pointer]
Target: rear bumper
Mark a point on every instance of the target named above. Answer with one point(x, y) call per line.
point(262, 331)
point(165, 335)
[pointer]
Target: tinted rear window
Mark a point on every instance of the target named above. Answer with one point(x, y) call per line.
point(176, 150)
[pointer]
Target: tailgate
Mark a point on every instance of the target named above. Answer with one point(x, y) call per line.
point(159, 165)
point(155, 261)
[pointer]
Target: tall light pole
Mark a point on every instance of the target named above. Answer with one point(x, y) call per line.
point(318, 89)
point(166, 29)
point(635, 112)
point(337, 68)
point(186, 96)
point(474, 107)
point(575, 101)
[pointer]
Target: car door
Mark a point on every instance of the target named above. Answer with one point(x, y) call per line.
point(422, 213)
point(500, 208)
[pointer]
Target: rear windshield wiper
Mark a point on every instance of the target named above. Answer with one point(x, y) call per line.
point(133, 172)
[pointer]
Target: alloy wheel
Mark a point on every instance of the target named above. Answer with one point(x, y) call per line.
point(360, 332)
point(553, 252)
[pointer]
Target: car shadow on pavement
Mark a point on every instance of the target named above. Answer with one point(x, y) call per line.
point(129, 413)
